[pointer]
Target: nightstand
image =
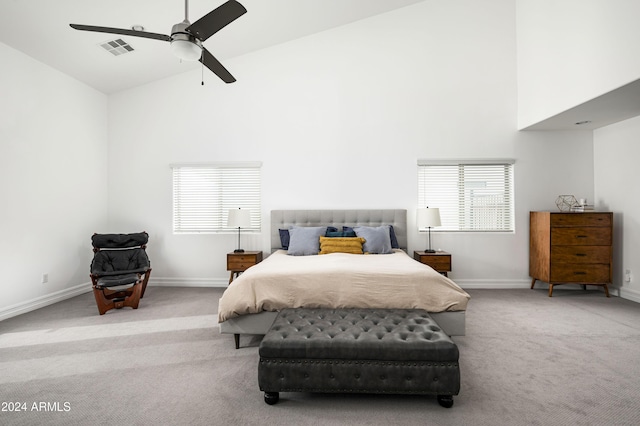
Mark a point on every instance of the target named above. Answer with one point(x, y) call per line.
point(440, 260)
point(240, 262)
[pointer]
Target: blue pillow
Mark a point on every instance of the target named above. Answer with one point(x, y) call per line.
point(394, 239)
point(350, 233)
point(392, 235)
point(334, 234)
point(304, 241)
point(377, 239)
point(284, 238)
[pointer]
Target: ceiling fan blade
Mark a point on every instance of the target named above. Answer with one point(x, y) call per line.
point(121, 31)
point(216, 20)
point(214, 65)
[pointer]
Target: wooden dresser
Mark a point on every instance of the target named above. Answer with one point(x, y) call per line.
point(571, 248)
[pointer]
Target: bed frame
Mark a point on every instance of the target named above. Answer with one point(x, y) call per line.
point(452, 323)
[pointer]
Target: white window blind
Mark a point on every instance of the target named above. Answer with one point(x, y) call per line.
point(204, 194)
point(472, 195)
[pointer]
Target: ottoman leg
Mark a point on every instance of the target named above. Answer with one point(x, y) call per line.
point(271, 397)
point(445, 400)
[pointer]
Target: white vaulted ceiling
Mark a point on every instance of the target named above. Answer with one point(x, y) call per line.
point(40, 29)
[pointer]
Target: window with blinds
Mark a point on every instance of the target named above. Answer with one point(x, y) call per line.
point(204, 194)
point(472, 195)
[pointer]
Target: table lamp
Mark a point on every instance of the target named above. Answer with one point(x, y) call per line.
point(239, 218)
point(428, 218)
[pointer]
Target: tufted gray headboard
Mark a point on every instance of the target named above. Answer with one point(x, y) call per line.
point(283, 219)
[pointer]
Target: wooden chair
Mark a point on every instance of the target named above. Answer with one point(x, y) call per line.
point(120, 270)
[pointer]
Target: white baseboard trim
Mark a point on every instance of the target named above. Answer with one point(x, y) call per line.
point(42, 301)
point(632, 295)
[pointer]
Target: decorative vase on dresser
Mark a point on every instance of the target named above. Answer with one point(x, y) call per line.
point(571, 248)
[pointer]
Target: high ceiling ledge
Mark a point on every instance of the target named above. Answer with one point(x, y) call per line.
point(618, 105)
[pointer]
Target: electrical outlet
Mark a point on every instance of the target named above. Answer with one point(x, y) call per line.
point(45, 278)
point(627, 275)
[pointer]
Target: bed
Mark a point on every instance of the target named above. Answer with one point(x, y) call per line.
point(251, 302)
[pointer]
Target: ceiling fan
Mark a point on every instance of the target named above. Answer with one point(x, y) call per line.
point(186, 38)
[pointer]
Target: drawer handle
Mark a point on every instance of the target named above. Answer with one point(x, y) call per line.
point(580, 254)
point(581, 236)
point(580, 273)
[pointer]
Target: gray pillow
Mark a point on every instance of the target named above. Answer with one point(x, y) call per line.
point(305, 240)
point(377, 239)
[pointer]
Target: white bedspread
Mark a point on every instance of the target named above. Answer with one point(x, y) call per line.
point(340, 280)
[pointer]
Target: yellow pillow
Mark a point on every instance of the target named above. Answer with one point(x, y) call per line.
point(341, 245)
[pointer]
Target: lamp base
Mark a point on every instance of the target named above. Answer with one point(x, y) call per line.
point(238, 251)
point(429, 251)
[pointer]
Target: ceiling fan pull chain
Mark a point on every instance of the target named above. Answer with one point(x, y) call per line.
point(202, 70)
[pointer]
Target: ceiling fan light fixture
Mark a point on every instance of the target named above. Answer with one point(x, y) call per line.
point(186, 50)
point(184, 45)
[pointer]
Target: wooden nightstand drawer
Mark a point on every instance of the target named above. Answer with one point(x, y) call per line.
point(238, 265)
point(242, 261)
point(440, 261)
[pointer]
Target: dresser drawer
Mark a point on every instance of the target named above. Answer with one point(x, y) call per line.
point(580, 254)
point(574, 273)
point(581, 219)
point(581, 236)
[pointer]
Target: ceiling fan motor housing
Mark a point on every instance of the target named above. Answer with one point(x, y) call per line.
point(183, 44)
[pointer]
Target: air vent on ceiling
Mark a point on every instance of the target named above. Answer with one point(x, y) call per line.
point(117, 47)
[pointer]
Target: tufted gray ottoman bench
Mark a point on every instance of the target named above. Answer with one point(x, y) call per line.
point(358, 350)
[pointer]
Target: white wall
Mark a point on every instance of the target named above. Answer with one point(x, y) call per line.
point(572, 51)
point(53, 147)
point(339, 120)
point(568, 53)
point(616, 150)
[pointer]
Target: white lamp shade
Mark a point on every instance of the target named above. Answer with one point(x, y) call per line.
point(428, 218)
point(239, 218)
point(186, 50)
